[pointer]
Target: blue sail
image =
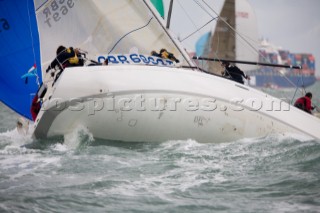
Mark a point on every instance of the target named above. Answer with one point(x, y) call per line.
point(19, 52)
point(202, 43)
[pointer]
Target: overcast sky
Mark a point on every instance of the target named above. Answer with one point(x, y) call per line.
point(292, 24)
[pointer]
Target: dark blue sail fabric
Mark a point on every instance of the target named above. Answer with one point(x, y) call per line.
point(19, 51)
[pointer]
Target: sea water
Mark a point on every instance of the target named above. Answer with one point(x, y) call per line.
point(276, 173)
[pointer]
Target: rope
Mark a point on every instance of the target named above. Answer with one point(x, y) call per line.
point(129, 33)
point(245, 40)
point(198, 30)
point(295, 92)
point(193, 22)
point(203, 8)
point(234, 30)
point(33, 50)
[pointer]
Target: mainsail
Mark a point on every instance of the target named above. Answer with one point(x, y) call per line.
point(31, 31)
point(101, 27)
point(19, 52)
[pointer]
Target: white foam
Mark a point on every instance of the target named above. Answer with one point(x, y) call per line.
point(182, 145)
point(15, 138)
point(76, 137)
point(59, 147)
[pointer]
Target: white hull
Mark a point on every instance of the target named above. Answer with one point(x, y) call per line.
point(119, 103)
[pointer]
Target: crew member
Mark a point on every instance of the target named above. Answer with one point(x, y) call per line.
point(66, 58)
point(167, 55)
point(304, 103)
point(154, 53)
point(233, 72)
point(35, 107)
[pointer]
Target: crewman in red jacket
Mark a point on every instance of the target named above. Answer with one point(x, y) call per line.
point(304, 103)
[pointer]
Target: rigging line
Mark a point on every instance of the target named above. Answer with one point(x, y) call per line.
point(187, 15)
point(174, 41)
point(302, 82)
point(243, 38)
point(295, 92)
point(42, 5)
point(202, 7)
point(231, 27)
point(185, 11)
point(216, 50)
point(198, 29)
point(34, 54)
point(129, 33)
point(213, 18)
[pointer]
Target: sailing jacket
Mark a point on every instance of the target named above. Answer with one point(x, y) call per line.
point(304, 103)
point(66, 59)
point(234, 73)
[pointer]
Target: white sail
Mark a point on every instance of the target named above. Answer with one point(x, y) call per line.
point(247, 38)
point(119, 102)
point(70, 23)
point(101, 27)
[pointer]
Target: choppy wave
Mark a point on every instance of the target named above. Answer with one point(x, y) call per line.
point(277, 173)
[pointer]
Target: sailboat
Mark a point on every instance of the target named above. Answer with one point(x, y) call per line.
point(137, 96)
point(235, 37)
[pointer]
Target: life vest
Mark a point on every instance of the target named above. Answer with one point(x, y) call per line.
point(73, 60)
point(165, 54)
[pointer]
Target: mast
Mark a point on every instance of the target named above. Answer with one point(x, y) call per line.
point(169, 14)
point(167, 31)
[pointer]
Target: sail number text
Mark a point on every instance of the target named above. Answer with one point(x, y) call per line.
point(56, 10)
point(4, 24)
